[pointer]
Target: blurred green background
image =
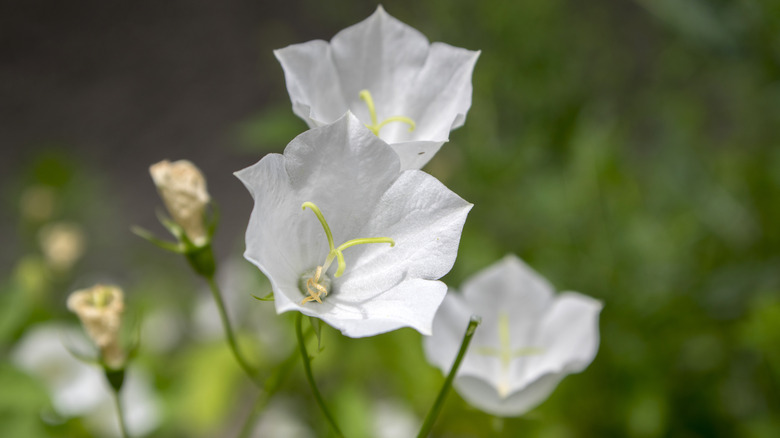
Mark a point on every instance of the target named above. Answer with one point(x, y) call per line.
point(624, 149)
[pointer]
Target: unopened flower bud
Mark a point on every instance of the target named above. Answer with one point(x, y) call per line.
point(100, 310)
point(62, 244)
point(183, 190)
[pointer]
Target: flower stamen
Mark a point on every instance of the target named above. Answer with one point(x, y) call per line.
point(318, 284)
point(375, 127)
point(506, 353)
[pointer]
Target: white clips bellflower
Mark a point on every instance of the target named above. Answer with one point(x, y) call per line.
point(529, 339)
point(409, 92)
point(345, 237)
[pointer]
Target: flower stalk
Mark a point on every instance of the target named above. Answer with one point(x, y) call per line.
point(430, 419)
point(310, 376)
point(229, 334)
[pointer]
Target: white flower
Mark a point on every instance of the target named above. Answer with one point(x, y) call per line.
point(528, 341)
point(407, 79)
point(389, 234)
point(78, 389)
point(182, 188)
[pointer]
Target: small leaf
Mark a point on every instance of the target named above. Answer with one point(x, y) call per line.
point(148, 236)
point(269, 297)
point(316, 324)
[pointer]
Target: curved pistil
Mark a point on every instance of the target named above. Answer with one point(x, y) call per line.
point(375, 127)
point(314, 285)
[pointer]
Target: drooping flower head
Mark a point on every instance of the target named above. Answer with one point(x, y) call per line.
point(183, 190)
point(529, 340)
point(409, 92)
point(100, 310)
point(345, 237)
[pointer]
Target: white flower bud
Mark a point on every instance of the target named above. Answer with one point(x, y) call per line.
point(62, 244)
point(183, 190)
point(100, 310)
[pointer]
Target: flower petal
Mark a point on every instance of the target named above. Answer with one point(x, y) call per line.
point(411, 303)
point(568, 335)
point(425, 219)
point(484, 396)
point(312, 81)
point(511, 286)
point(449, 326)
point(380, 54)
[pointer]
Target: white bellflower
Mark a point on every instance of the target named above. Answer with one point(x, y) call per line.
point(528, 341)
point(344, 236)
point(409, 92)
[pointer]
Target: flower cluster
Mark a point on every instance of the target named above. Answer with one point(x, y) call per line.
point(350, 231)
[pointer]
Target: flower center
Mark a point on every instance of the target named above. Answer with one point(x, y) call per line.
point(374, 126)
point(316, 282)
point(100, 297)
point(506, 353)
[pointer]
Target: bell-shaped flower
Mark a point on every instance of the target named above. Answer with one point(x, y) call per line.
point(344, 236)
point(529, 339)
point(409, 92)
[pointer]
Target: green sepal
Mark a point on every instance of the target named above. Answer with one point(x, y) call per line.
point(269, 297)
point(201, 259)
point(115, 377)
point(316, 325)
point(148, 236)
point(212, 221)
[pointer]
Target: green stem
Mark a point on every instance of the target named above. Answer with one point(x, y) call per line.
point(310, 377)
point(430, 419)
point(231, 338)
point(117, 404)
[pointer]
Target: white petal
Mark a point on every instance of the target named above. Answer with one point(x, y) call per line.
point(438, 98)
point(380, 54)
point(416, 154)
point(484, 396)
point(568, 336)
point(312, 82)
point(424, 218)
point(509, 286)
point(443, 344)
point(412, 303)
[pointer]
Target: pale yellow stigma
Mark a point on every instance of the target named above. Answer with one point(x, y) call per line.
point(375, 127)
point(506, 353)
point(318, 284)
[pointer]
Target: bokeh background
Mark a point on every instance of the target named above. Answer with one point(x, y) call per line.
point(625, 149)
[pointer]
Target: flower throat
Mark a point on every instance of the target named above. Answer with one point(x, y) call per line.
point(316, 282)
point(365, 95)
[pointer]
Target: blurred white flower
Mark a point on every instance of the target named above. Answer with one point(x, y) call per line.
point(397, 233)
point(182, 188)
point(100, 310)
point(394, 420)
point(528, 341)
point(62, 244)
point(79, 389)
point(410, 92)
